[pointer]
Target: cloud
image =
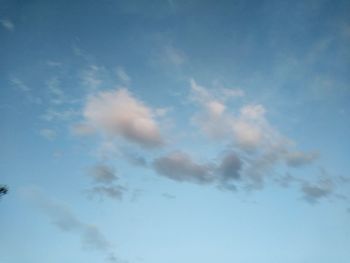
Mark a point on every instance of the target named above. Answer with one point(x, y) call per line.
point(64, 219)
point(313, 192)
point(168, 196)
point(104, 183)
point(91, 77)
point(48, 134)
point(252, 131)
point(51, 63)
point(112, 191)
point(230, 167)
point(213, 119)
point(297, 159)
point(173, 55)
point(82, 129)
point(7, 24)
point(26, 91)
point(179, 166)
point(103, 173)
point(134, 158)
point(286, 180)
point(249, 132)
point(123, 76)
point(118, 113)
point(59, 115)
point(19, 84)
point(57, 95)
point(247, 128)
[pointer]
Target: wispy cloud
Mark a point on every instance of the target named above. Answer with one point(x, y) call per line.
point(123, 76)
point(59, 115)
point(168, 196)
point(57, 95)
point(62, 216)
point(174, 55)
point(48, 133)
point(212, 119)
point(19, 84)
point(91, 77)
point(52, 63)
point(7, 24)
point(26, 91)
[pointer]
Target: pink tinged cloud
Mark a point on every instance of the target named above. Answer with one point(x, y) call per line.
point(118, 113)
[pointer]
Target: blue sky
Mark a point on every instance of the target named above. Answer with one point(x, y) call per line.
point(175, 131)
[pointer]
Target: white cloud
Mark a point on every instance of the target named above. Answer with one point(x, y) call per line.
point(247, 135)
point(247, 128)
point(118, 113)
point(254, 112)
point(7, 24)
point(249, 131)
point(212, 119)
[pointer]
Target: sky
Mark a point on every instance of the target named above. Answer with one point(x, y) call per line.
point(175, 131)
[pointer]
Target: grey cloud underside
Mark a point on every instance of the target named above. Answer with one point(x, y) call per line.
point(104, 183)
point(114, 191)
point(180, 167)
point(312, 193)
point(230, 167)
point(230, 171)
point(102, 173)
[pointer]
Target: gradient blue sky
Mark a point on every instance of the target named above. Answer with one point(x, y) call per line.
point(175, 131)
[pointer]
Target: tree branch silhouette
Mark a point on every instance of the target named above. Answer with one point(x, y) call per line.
point(3, 190)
